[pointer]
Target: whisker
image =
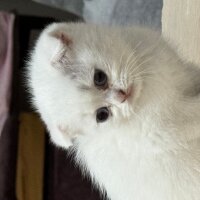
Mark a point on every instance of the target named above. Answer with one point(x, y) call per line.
point(143, 72)
point(129, 58)
point(137, 45)
point(140, 65)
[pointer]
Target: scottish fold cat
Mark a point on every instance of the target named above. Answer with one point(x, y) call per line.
point(125, 104)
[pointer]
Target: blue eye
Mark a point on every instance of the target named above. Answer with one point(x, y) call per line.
point(100, 79)
point(102, 114)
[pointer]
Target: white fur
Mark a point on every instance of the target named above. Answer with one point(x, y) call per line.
point(148, 149)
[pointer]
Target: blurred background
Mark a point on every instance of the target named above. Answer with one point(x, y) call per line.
point(118, 12)
point(31, 168)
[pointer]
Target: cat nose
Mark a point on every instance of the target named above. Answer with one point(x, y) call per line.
point(124, 95)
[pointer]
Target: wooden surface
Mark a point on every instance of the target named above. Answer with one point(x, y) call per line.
point(30, 160)
point(181, 26)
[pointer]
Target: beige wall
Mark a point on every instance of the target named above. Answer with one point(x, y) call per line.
point(181, 26)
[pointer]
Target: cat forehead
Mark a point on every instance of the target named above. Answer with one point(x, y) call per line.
point(97, 45)
point(102, 53)
point(110, 61)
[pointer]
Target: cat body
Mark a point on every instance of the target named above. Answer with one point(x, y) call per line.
point(125, 103)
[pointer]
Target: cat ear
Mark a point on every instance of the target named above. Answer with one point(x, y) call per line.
point(63, 136)
point(60, 137)
point(63, 37)
point(63, 54)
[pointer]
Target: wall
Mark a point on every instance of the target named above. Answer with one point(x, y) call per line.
point(181, 26)
point(28, 7)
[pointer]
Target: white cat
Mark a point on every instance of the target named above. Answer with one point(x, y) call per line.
point(126, 103)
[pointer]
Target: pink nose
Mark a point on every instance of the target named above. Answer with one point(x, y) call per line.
point(124, 95)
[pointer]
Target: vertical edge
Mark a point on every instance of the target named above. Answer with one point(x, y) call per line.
point(181, 27)
point(30, 161)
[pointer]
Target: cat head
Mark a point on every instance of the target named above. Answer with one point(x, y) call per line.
point(84, 80)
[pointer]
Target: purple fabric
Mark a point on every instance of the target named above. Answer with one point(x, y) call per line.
point(6, 55)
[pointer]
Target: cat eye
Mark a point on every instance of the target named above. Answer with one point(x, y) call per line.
point(102, 114)
point(100, 79)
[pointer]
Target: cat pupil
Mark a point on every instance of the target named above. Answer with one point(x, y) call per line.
point(100, 79)
point(102, 114)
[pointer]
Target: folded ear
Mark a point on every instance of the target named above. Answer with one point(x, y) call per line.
point(62, 136)
point(63, 37)
point(63, 55)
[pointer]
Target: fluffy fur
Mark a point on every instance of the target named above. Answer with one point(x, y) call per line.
point(148, 148)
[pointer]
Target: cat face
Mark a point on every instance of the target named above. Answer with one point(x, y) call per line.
point(86, 83)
